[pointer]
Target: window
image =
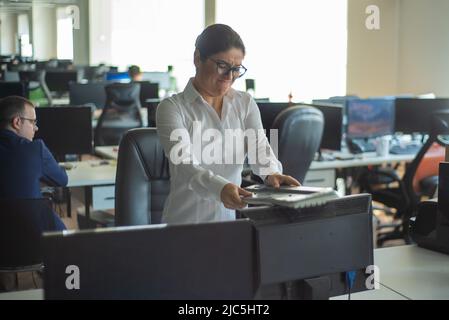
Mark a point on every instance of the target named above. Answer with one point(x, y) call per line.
point(64, 31)
point(296, 46)
point(154, 34)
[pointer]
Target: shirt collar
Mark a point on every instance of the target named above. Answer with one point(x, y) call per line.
point(192, 94)
point(8, 132)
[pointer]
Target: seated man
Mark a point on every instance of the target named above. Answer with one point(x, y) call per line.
point(24, 163)
point(134, 73)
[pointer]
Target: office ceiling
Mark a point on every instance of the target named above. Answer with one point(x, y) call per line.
point(17, 6)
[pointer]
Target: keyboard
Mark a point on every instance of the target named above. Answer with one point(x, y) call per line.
point(361, 146)
point(405, 149)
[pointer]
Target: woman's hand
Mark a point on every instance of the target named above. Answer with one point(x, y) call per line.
point(231, 196)
point(277, 179)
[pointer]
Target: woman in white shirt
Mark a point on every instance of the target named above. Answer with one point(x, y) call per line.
point(201, 131)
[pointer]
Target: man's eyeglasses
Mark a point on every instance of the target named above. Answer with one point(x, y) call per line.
point(33, 121)
point(223, 68)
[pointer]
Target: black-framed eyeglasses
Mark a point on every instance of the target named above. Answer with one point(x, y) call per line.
point(223, 68)
point(33, 121)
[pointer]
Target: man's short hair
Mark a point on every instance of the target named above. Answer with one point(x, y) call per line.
point(11, 107)
point(133, 71)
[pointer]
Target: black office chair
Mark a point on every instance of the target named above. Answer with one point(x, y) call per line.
point(35, 80)
point(300, 131)
point(143, 181)
point(402, 196)
point(22, 222)
point(120, 114)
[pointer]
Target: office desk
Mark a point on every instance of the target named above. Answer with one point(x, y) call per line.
point(362, 160)
point(107, 152)
point(89, 174)
point(414, 272)
point(320, 174)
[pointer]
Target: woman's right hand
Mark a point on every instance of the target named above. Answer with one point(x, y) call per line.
point(231, 196)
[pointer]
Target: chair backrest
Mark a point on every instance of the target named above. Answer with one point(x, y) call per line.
point(143, 180)
point(300, 131)
point(121, 113)
point(39, 78)
point(440, 126)
point(22, 222)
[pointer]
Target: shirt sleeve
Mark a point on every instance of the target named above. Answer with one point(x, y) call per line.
point(53, 174)
point(175, 140)
point(261, 157)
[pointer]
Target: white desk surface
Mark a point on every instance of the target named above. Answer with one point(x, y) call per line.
point(36, 294)
point(91, 173)
point(107, 152)
point(366, 159)
point(382, 293)
point(415, 272)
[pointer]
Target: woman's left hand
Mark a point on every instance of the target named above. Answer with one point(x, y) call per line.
point(277, 179)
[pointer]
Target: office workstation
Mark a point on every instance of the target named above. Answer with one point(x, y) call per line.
point(365, 123)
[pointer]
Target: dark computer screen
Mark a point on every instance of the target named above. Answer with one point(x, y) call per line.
point(65, 130)
point(189, 261)
point(58, 81)
point(13, 89)
point(92, 93)
point(333, 126)
point(369, 118)
point(148, 90)
point(413, 115)
point(269, 112)
point(294, 245)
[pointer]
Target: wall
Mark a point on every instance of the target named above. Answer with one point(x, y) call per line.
point(372, 54)
point(8, 32)
point(100, 13)
point(44, 32)
point(81, 43)
point(408, 55)
point(424, 47)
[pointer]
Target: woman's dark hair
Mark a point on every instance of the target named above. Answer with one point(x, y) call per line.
point(218, 38)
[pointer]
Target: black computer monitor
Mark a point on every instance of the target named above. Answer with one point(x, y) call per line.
point(189, 261)
point(414, 115)
point(92, 93)
point(148, 90)
point(269, 111)
point(65, 130)
point(333, 126)
point(369, 118)
point(13, 89)
point(308, 253)
point(58, 81)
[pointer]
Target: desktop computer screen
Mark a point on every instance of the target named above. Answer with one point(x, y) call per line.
point(58, 81)
point(269, 112)
point(92, 93)
point(333, 126)
point(369, 118)
point(186, 261)
point(162, 78)
point(312, 248)
point(13, 89)
point(65, 130)
point(414, 115)
point(118, 77)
